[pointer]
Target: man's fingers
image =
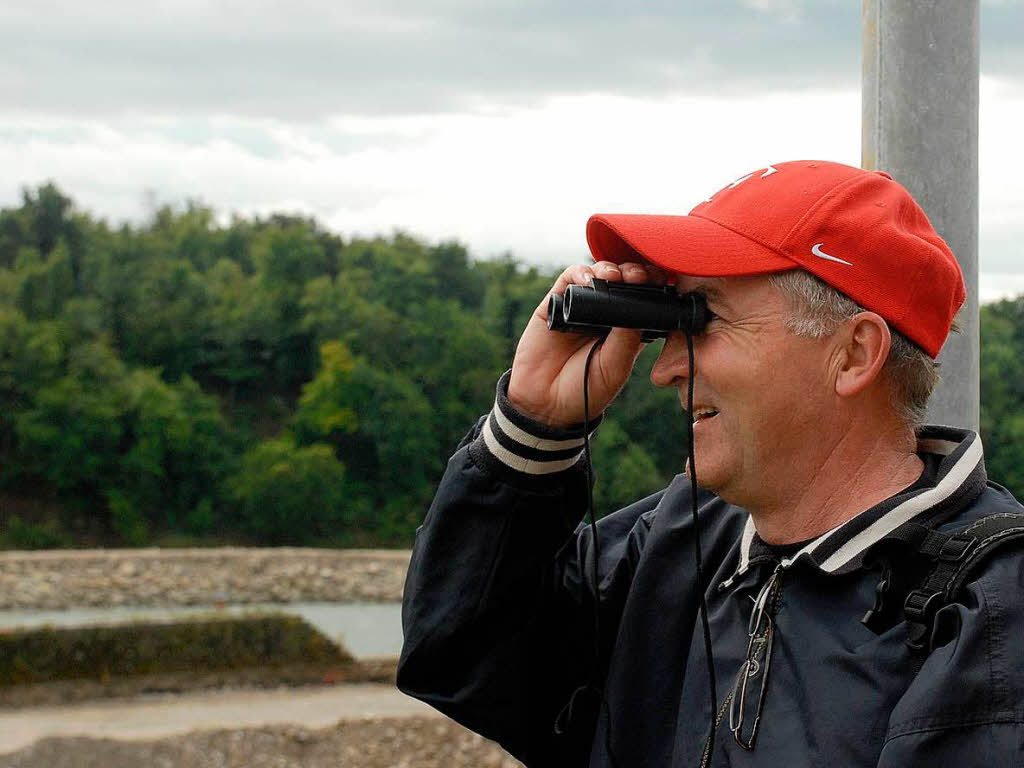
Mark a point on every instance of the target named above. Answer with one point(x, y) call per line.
point(548, 366)
point(582, 274)
point(618, 353)
point(633, 273)
point(577, 274)
point(622, 345)
point(607, 270)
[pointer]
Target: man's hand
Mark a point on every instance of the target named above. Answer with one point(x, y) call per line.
point(547, 373)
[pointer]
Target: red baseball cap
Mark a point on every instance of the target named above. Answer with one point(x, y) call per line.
point(859, 231)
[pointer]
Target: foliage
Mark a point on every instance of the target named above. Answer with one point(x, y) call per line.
point(1002, 392)
point(206, 643)
point(265, 381)
point(382, 427)
point(290, 495)
point(625, 472)
point(22, 535)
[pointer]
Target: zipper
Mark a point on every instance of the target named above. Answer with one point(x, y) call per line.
point(771, 604)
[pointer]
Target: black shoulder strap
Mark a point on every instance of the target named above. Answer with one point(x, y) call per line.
point(955, 555)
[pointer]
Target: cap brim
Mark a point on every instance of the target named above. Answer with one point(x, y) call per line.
point(688, 245)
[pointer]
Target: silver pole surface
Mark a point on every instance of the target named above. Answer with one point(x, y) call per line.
point(919, 108)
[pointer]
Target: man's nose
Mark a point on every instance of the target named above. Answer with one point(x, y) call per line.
point(673, 364)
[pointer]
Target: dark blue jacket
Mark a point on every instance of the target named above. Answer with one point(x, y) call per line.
point(499, 628)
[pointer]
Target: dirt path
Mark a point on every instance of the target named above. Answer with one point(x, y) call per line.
point(157, 716)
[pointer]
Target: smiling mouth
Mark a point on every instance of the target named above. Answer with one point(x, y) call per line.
point(703, 414)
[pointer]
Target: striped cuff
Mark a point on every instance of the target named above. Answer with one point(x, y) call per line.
point(527, 446)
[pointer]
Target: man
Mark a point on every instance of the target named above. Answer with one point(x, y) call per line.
point(831, 295)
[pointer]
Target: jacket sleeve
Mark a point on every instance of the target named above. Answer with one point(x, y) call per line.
point(966, 705)
point(497, 613)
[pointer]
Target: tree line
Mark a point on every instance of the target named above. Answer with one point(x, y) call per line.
point(265, 381)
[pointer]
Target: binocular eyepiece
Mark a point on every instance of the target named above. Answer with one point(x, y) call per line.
point(655, 310)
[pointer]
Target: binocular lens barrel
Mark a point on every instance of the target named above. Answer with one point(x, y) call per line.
point(655, 310)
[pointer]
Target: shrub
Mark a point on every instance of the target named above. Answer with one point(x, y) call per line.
point(290, 495)
point(43, 655)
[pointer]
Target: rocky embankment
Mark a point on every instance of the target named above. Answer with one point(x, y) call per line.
point(413, 742)
point(60, 579)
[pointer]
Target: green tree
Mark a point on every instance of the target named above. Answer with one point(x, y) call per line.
point(31, 359)
point(459, 280)
point(381, 427)
point(511, 296)
point(169, 322)
point(14, 236)
point(71, 435)
point(1002, 392)
point(457, 363)
point(288, 494)
point(623, 470)
point(48, 214)
point(653, 417)
point(45, 282)
point(136, 362)
point(338, 309)
point(177, 456)
point(235, 352)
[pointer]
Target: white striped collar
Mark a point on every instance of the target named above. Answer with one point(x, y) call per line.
point(961, 475)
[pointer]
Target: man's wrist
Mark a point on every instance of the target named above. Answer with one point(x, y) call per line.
point(521, 407)
point(525, 444)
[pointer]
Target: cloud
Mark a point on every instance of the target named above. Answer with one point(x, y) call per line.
point(518, 179)
point(304, 61)
point(1001, 183)
point(523, 180)
point(504, 124)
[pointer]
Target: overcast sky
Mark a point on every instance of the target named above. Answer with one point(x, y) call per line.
point(502, 124)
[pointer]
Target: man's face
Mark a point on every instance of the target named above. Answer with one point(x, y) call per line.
point(760, 392)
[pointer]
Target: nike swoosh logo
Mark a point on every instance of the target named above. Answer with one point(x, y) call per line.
point(816, 250)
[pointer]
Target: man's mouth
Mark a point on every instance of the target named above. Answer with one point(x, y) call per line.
point(703, 414)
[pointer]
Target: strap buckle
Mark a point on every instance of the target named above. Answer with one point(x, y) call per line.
point(956, 548)
point(873, 618)
point(921, 606)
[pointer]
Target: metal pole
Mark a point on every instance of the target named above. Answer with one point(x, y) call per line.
point(920, 123)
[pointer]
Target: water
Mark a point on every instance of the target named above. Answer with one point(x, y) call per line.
point(365, 629)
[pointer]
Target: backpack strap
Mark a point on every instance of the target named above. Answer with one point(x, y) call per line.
point(955, 555)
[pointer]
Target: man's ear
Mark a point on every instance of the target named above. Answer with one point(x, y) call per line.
point(864, 342)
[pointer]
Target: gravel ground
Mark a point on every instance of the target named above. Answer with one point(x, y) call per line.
point(367, 670)
point(409, 742)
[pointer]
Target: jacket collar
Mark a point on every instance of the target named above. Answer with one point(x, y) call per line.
point(960, 479)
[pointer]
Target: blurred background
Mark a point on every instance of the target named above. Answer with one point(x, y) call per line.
point(262, 264)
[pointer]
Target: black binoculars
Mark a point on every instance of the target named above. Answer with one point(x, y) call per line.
point(655, 310)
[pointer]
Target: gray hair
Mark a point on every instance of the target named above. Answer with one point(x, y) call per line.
point(818, 309)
